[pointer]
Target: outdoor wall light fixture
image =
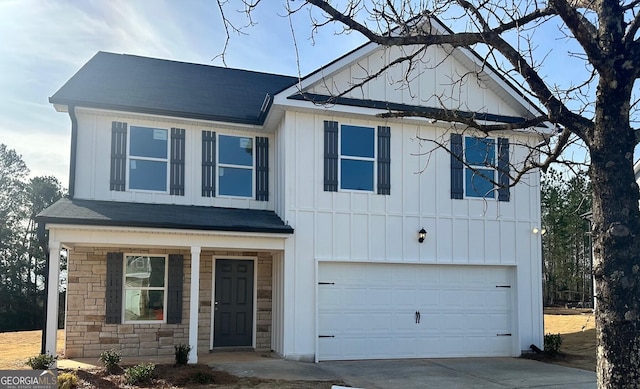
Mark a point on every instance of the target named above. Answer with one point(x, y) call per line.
point(421, 235)
point(537, 230)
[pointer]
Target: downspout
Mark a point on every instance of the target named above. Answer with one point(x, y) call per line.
point(74, 146)
point(44, 243)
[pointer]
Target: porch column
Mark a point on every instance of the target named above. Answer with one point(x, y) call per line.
point(52, 299)
point(194, 302)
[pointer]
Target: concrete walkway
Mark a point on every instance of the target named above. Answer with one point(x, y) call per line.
point(459, 373)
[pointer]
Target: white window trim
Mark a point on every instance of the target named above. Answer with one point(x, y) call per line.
point(228, 165)
point(124, 288)
point(475, 166)
point(353, 158)
point(166, 160)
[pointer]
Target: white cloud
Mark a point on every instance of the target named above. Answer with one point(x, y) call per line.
point(45, 43)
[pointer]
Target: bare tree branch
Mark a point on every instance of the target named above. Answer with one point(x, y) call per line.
point(583, 31)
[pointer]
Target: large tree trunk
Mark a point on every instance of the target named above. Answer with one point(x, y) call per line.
point(616, 232)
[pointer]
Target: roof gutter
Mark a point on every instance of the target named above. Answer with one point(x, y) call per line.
point(71, 103)
point(74, 147)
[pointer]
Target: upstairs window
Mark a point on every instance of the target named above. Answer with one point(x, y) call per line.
point(357, 158)
point(235, 166)
point(148, 158)
point(480, 156)
point(476, 164)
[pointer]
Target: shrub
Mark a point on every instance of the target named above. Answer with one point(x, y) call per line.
point(552, 343)
point(41, 362)
point(182, 354)
point(139, 374)
point(67, 381)
point(110, 359)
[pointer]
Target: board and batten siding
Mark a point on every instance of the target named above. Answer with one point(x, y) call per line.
point(93, 156)
point(358, 226)
point(349, 226)
point(426, 83)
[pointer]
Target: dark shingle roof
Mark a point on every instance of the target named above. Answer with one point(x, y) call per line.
point(148, 85)
point(112, 213)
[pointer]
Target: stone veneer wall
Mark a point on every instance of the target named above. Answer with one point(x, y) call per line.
point(87, 335)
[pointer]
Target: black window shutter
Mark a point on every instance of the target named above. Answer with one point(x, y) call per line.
point(262, 168)
point(208, 164)
point(113, 297)
point(176, 186)
point(174, 289)
point(503, 170)
point(330, 156)
point(384, 160)
point(457, 169)
point(118, 156)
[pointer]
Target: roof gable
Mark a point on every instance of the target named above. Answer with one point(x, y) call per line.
point(441, 78)
point(148, 85)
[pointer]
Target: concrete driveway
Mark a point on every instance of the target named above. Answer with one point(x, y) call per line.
point(476, 373)
point(459, 373)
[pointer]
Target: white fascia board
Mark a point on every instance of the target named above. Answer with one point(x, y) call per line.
point(84, 235)
point(368, 113)
point(61, 107)
point(169, 119)
point(328, 109)
point(636, 169)
point(326, 71)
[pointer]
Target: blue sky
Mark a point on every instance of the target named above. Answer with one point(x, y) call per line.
point(43, 43)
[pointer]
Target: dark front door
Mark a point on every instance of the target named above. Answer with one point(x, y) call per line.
point(233, 308)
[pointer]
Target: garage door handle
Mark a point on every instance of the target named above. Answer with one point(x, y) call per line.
point(417, 317)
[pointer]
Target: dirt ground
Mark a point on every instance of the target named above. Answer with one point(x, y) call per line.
point(16, 347)
point(577, 328)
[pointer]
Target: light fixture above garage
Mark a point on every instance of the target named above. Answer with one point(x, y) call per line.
point(421, 235)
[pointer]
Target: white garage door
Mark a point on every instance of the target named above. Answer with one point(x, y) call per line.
point(369, 311)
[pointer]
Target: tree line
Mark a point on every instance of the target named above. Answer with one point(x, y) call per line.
point(22, 259)
point(566, 242)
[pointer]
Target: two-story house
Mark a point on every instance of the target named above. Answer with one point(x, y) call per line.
point(228, 208)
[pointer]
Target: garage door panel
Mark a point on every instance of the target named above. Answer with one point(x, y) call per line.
point(354, 297)
point(379, 297)
point(404, 298)
point(379, 323)
point(453, 299)
point(329, 298)
point(498, 298)
point(499, 323)
point(370, 310)
point(428, 297)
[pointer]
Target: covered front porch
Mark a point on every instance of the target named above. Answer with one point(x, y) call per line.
point(203, 267)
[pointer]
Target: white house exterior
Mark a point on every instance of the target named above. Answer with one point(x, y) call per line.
point(226, 208)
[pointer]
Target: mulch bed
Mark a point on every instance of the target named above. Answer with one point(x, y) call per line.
point(167, 376)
